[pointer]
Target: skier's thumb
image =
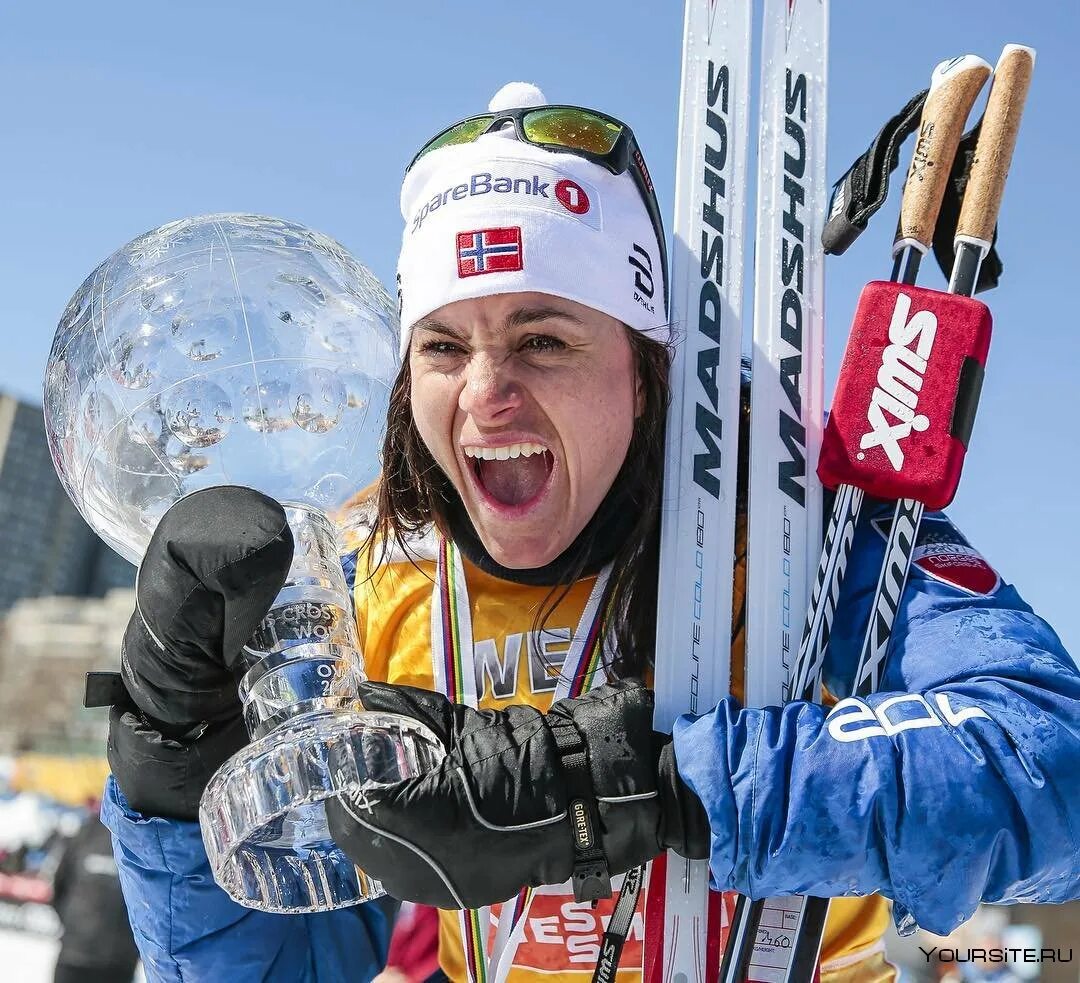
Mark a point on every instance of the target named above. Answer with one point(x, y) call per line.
point(215, 563)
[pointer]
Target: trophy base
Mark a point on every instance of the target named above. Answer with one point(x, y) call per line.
point(262, 816)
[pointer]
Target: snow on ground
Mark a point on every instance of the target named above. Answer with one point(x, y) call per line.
point(29, 958)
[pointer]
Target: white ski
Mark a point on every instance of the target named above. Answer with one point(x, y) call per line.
point(698, 525)
point(787, 406)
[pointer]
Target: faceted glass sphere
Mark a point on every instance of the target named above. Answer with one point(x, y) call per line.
point(225, 349)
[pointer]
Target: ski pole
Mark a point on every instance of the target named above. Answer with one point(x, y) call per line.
point(954, 87)
point(967, 327)
point(974, 233)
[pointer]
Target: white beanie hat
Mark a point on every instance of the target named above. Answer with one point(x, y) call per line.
point(499, 216)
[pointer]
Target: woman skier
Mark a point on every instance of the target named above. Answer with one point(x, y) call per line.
point(505, 591)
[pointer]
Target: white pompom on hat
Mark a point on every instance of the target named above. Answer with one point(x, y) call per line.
point(516, 95)
point(498, 216)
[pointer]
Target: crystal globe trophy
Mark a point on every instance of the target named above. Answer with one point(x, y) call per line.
point(245, 350)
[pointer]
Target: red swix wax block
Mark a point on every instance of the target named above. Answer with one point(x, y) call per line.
point(905, 401)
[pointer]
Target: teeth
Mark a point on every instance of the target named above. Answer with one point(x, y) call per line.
point(504, 453)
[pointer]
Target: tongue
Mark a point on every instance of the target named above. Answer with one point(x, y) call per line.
point(516, 481)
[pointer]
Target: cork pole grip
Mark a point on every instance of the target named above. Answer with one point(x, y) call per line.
point(994, 150)
point(954, 87)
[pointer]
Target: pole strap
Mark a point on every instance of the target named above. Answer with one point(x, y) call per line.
point(619, 927)
point(862, 190)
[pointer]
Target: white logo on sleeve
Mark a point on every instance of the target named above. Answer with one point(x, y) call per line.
point(854, 720)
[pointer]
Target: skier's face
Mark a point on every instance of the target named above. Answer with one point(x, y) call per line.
point(527, 402)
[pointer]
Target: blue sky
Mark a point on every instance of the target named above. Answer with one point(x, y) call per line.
point(120, 116)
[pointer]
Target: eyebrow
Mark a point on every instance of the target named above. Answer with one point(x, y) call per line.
point(530, 315)
point(517, 319)
point(439, 327)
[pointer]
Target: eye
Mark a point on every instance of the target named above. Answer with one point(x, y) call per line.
point(435, 347)
point(542, 343)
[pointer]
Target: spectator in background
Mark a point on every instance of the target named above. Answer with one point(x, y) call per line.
point(97, 945)
point(414, 947)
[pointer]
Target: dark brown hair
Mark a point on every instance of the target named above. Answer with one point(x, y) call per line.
point(414, 492)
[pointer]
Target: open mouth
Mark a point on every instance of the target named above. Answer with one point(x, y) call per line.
point(512, 476)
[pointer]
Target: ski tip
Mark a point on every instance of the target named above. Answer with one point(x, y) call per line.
point(949, 69)
point(1010, 50)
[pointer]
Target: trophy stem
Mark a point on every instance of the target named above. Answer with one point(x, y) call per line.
point(305, 654)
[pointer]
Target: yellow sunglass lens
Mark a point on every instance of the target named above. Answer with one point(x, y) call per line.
point(465, 132)
point(572, 128)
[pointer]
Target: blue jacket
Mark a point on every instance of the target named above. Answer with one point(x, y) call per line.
point(958, 782)
point(963, 790)
point(188, 929)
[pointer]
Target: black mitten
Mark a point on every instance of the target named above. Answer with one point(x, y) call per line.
point(213, 567)
point(523, 798)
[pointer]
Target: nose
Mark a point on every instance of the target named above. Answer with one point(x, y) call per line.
point(490, 394)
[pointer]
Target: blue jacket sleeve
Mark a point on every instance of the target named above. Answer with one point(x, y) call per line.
point(187, 928)
point(957, 782)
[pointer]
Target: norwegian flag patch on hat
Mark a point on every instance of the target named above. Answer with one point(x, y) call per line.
point(489, 251)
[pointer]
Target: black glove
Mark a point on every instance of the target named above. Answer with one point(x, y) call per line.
point(213, 567)
point(522, 798)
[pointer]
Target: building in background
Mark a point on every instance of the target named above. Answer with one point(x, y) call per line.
point(46, 545)
point(47, 645)
point(65, 598)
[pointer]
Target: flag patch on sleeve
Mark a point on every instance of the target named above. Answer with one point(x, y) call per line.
point(943, 554)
